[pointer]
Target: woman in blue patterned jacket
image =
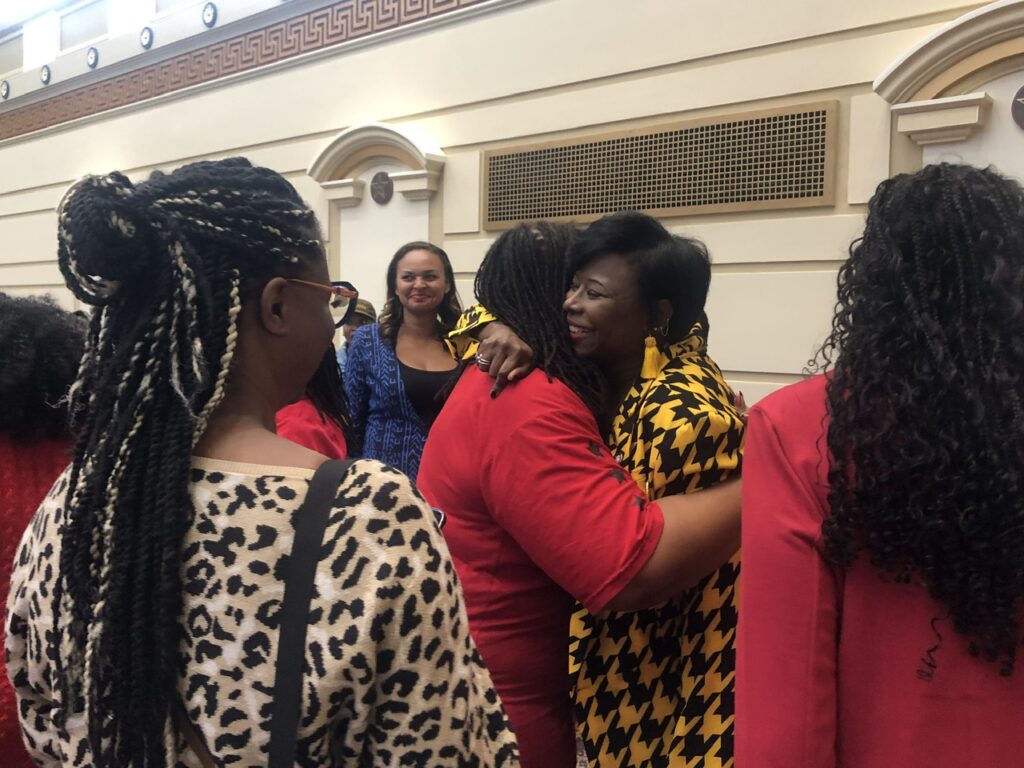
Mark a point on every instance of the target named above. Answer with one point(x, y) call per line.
point(398, 368)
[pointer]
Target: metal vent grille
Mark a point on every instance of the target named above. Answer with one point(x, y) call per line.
point(769, 159)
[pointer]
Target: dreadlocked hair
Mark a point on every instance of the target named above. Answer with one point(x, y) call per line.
point(326, 391)
point(167, 264)
point(522, 282)
point(393, 313)
point(926, 429)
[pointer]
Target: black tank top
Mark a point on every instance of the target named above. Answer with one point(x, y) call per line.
point(423, 388)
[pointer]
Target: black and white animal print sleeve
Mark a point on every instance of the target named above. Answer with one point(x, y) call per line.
point(431, 699)
point(27, 624)
point(392, 676)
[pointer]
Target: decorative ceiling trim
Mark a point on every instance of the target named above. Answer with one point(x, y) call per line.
point(341, 22)
point(921, 73)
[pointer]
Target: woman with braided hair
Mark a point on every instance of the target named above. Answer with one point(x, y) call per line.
point(539, 514)
point(144, 613)
point(883, 514)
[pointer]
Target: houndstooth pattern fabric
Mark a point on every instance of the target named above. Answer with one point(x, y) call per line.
point(655, 688)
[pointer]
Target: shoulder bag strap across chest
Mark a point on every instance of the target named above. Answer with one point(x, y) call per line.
point(299, 574)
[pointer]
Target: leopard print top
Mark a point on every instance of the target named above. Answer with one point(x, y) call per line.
point(392, 676)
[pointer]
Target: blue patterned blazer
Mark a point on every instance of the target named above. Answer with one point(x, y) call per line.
point(384, 424)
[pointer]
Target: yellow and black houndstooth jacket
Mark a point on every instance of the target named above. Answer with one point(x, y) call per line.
point(656, 687)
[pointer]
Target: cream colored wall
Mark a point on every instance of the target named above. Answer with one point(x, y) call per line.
point(1001, 143)
point(363, 259)
point(536, 70)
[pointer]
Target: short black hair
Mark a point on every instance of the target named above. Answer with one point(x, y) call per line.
point(666, 266)
point(41, 347)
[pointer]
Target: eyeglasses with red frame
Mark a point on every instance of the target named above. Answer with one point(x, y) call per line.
point(344, 302)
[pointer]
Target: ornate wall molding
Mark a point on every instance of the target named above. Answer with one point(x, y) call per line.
point(334, 160)
point(355, 146)
point(341, 22)
point(942, 121)
point(990, 38)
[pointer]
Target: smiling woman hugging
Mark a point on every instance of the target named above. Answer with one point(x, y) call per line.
point(635, 308)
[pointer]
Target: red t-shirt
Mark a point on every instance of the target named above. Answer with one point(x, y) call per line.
point(835, 668)
point(302, 423)
point(538, 514)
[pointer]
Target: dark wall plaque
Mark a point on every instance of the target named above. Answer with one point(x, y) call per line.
point(1017, 108)
point(382, 188)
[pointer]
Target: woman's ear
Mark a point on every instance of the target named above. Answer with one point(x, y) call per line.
point(272, 306)
point(662, 316)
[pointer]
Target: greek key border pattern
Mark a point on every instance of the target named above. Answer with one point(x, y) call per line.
point(338, 23)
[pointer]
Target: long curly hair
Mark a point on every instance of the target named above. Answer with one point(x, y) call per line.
point(392, 314)
point(40, 346)
point(926, 430)
point(167, 264)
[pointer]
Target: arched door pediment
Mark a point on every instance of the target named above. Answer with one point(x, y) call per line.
point(336, 165)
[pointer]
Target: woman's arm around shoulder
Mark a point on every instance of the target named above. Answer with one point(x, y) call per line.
point(551, 483)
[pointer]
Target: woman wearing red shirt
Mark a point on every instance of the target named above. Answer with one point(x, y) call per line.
point(883, 515)
point(538, 511)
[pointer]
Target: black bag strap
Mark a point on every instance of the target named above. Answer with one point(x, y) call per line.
point(192, 736)
point(311, 520)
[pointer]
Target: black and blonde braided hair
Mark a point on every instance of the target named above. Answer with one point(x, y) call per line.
point(167, 264)
point(926, 427)
point(522, 281)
